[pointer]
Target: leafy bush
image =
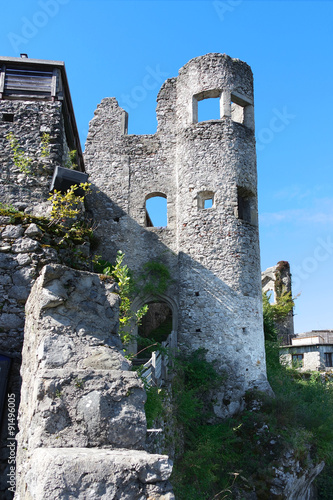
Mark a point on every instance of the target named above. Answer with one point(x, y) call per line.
point(239, 453)
point(154, 405)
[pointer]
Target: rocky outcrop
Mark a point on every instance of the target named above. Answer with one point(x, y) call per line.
point(294, 482)
point(83, 473)
point(82, 410)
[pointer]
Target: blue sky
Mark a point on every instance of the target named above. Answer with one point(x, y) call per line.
point(110, 48)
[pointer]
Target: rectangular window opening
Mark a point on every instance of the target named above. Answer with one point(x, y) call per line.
point(8, 117)
point(246, 205)
point(209, 109)
point(297, 360)
point(328, 360)
point(241, 110)
point(206, 199)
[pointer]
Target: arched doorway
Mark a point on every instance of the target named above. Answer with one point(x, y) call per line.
point(154, 329)
point(160, 320)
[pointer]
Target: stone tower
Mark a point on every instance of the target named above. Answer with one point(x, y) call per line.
point(34, 100)
point(207, 173)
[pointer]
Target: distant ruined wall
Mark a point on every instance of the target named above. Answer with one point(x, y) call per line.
point(212, 253)
point(82, 421)
point(276, 280)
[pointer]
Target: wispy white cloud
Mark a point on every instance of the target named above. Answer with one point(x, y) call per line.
point(299, 192)
point(320, 213)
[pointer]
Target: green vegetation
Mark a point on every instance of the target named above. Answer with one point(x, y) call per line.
point(128, 318)
point(71, 160)
point(217, 460)
point(20, 159)
point(67, 205)
point(66, 241)
point(45, 141)
point(154, 279)
point(154, 406)
point(275, 312)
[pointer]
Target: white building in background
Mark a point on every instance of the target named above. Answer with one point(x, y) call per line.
point(310, 351)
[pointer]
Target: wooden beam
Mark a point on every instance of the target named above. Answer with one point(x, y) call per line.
point(2, 80)
point(54, 83)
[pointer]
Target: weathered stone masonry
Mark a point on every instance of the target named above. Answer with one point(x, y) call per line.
point(213, 253)
point(82, 420)
point(78, 392)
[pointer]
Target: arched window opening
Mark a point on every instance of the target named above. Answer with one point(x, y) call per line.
point(271, 296)
point(156, 210)
point(155, 328)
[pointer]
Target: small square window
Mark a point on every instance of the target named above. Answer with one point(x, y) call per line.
point(206, 199)
point(8, 117)
point(206, 106)
point(209, 109)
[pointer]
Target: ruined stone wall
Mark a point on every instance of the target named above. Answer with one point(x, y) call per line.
point(213, 253)
point(276, 281)
point(22, 255)
point(25, 247)
point(29, 120)
point(82, 421)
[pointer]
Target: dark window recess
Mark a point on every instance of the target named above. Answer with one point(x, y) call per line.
point(297, 360)
point(244, 208)
point(328, 359)
point(8, 117)
point(245, 201)
point(155, 327)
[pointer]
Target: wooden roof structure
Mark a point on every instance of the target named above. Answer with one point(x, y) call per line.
point(27, 79)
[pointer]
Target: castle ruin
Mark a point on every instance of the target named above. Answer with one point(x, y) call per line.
point(206, 172)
